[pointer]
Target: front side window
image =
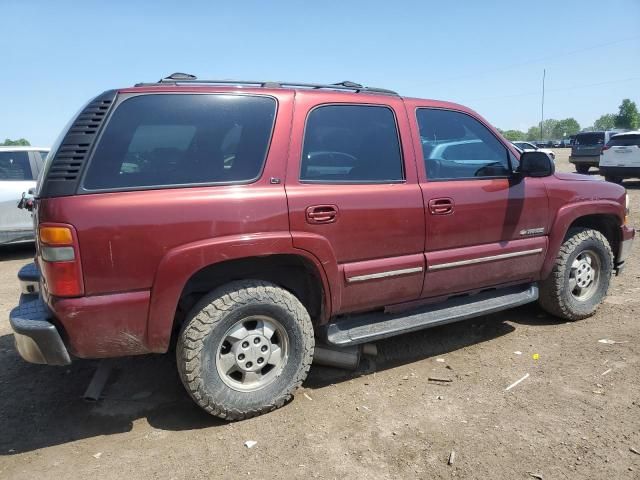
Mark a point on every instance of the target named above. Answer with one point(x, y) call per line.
point(15, 166)
point(351, 144)
point(182, 139)
point(457, 146)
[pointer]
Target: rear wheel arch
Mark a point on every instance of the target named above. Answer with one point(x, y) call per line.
point(295, 273)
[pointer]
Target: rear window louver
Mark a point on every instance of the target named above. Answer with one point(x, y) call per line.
point(66, 167)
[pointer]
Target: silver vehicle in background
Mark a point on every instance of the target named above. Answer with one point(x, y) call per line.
point(530, 147)
point(19, 170)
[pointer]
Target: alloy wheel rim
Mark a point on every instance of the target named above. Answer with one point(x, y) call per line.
point(253, 353)
point(584, 276)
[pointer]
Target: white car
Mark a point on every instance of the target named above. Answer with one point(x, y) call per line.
point(19, 170)
point(530, 147)
point(620, 157)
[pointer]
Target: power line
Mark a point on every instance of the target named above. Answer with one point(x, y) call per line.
point(561, 89)
point(529, 62)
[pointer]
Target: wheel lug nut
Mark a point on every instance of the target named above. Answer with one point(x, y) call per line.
point(260, 360)
point(256, 340)
point(241, 356)
point(249, 364)
point(245, 344)
point(264, 348)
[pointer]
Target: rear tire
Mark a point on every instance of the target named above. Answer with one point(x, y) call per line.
point(580, 277)
point(584, 169)
point(244, 349)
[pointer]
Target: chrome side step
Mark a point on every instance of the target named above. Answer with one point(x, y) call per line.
point(369, 327)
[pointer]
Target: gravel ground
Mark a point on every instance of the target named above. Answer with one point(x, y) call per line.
point(577, 415)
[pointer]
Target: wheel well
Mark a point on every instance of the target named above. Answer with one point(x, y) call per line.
point(291, 272)
point(607, 225)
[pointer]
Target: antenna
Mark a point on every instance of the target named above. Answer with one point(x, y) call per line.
point(544, 73)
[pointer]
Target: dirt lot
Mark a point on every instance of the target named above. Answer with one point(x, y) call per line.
point(569, 419)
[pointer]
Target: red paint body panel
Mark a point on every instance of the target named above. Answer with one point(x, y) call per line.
point(374, 222)
point(399, 288)
point(138, 249)
point(104, 325)
point(486, 274)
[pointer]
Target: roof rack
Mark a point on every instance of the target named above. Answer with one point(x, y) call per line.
point(185, 78)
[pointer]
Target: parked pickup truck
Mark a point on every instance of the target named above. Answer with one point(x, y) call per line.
point(252, 223)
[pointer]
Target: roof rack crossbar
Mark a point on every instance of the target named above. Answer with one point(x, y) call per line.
point(181, 78)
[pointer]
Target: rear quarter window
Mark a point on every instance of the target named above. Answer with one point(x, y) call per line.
point(182, 139)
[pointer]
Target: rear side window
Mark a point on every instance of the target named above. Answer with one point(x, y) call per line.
point(15, 166)
point(351, 144)
point(165, 140)
point(593, 138)
point(625, 141)
point(457, 146)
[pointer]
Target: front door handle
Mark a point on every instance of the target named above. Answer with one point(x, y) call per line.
point(322, 214)
point(441, 206)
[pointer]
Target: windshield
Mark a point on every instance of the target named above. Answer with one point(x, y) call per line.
point(590, 138)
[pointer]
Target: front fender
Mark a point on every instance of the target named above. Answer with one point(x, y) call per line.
point(181, 263)
point(568, 214)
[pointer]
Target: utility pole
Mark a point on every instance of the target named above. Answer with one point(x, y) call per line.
point(544, 73)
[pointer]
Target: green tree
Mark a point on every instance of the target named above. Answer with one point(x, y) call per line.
point(628, 116)
point(533, 133)
point(548, 127)
point(21, 142)
point(514, 135)
point(605, 122)
point(565, 128)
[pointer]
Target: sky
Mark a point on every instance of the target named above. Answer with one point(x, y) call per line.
point(488, 55)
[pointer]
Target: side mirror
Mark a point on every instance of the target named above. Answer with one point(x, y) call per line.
point(536, 164)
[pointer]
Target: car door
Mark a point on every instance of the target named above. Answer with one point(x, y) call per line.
point(354, 199)
point(485, 226)
point(16, 178)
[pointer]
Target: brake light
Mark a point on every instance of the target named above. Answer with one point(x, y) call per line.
point(60, 261)
point(606, 147)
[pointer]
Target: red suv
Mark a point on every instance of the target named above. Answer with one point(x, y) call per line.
point(251, 222)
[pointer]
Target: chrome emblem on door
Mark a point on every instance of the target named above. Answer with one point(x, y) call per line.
point(532, 231)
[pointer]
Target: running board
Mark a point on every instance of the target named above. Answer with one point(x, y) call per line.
point(369, 327)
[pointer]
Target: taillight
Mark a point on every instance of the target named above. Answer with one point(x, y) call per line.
point(606, 147)
point(60, 261)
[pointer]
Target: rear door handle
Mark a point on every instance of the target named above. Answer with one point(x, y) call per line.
point(441, 206)
point(322, 214)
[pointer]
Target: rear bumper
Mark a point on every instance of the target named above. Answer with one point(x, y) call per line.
point(37, 339)
point(591, 160)
point(626, 242)
point(50, 330)
point(621, 172)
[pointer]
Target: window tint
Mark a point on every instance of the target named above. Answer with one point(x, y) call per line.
point(625, 141)
point(156, 140)
point(456, 145)
point(15, 166)
point(591, 138)
point(351, 144)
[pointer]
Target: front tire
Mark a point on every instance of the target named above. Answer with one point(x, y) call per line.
point(244, 349)
point(580, 277)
